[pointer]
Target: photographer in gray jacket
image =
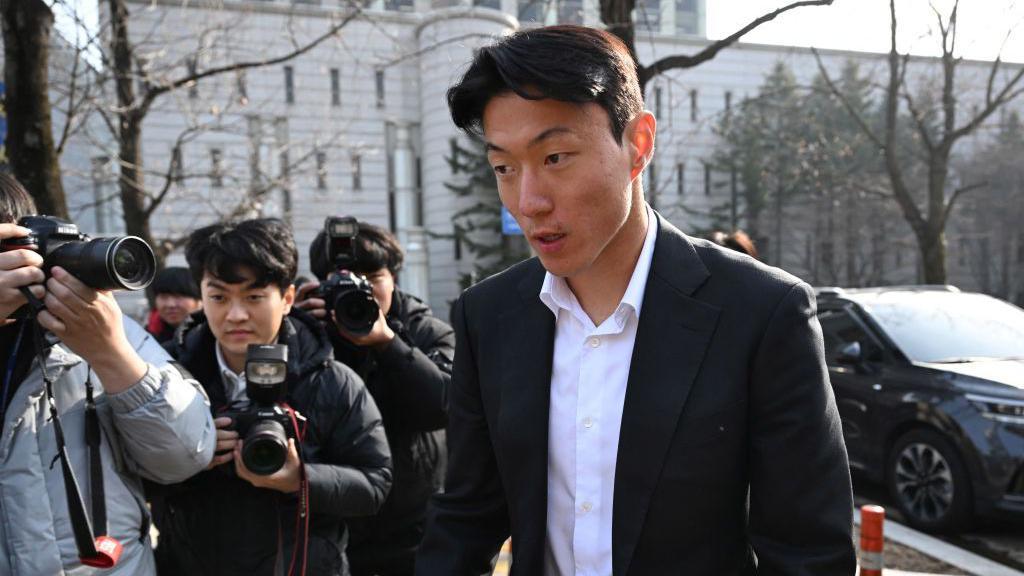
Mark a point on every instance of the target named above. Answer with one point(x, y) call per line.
point(59, 482)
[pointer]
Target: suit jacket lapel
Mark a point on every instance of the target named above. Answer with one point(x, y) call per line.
point(671, 339)
point(526, 360)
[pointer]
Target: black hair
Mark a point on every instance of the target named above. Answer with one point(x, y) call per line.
point(568, 63)
point(738, 241)
point(15, 201)
point(265, 246)
point(174, 280)
point(376, 248)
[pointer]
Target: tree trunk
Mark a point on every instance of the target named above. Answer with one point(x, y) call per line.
point(933, 257)
point(27, 25)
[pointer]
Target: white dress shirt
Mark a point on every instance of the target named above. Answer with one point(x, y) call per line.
point(588, 389)
point(234, 383)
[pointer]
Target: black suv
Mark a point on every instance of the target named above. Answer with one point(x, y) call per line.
point(929, 382)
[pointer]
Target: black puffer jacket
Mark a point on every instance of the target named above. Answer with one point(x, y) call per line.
point(216, 524)
point(409, 380)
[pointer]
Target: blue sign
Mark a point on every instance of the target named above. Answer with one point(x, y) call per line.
point(509, 226)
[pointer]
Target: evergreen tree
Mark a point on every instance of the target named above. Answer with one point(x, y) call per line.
point(477, 227)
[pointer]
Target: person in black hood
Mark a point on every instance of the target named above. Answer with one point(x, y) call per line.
point(228, 520)
point(406, 362)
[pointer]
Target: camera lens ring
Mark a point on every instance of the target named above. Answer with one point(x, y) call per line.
point(131, 262)
point(265, 447)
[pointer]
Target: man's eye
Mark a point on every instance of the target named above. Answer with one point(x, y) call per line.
point(215, 297)
point(554, 158)
point(501, 170)
point(255, 297)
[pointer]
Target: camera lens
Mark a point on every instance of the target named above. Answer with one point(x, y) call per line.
point(357, 311)
point(265, 447)
point(132, 262)
point(126, 262)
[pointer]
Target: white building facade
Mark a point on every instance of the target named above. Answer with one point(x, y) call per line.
point(359, 125)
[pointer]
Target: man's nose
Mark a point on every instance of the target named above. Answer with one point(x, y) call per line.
point(237, 312)
point(534, 196)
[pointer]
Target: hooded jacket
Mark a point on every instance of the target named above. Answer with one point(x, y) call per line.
point(159, 428)
point(216, 524)
point(409, 380)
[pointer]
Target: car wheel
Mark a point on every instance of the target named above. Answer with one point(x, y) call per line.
point(927, 479)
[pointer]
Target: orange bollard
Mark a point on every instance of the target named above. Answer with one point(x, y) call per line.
point(871, 540)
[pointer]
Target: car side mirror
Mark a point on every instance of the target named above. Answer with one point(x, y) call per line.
point(851, 354)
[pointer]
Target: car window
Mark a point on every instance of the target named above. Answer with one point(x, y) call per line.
point(841, 329)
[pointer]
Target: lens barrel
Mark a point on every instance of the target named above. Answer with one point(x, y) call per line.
point(124, 262)
point(356, 310)
point(265, 447)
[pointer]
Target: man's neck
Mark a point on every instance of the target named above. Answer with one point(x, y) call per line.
point(236, 362)
point(600, 288)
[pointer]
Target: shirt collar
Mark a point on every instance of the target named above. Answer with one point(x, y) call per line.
point(225, 371)
point(556, 294)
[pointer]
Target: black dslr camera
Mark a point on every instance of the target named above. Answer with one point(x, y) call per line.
point(265, 426)
point(124, 262)
point(347, 293)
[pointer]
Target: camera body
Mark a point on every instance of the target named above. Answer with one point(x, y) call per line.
point(265, 426)
point(116, 263)
point(348, 294)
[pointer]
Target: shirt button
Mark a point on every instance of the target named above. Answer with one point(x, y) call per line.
point(594, 342)
point(588, 422)
point(585, 507)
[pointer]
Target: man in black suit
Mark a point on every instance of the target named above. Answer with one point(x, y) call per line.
point(633, 401)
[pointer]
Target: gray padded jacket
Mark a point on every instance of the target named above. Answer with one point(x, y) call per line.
point(160, 429)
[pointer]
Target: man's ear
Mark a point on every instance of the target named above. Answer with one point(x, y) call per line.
point(288, 297)
point(639, 137)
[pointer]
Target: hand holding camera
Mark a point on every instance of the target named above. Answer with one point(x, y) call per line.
point(346, 297)
point(18, 267)
point(261, 438)
point(80, 308)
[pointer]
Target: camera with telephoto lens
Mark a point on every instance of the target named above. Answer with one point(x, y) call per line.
point(265, 426)
point(348, 294)
point(117, 263)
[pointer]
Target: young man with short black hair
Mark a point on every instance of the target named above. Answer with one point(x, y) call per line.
point(405, 361)
point(154, 423)
point(633, 401)
point(229, 520)
point(175, 295)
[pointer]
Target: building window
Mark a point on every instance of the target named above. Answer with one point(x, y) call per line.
point(177, 165)
point(570, 11)
point(680, 178)
point(728, 101)
point(457, 247)
point(357, 172)
point(240, 87)
point(335, 87)
point(647, 15)
point(321, 170)
point(495, 4)
point(289, 85)
point(532, 10)
point(693, 105)
point(707, 179)
point(687, 17)
point(216, 167)
point(379, 81)
point(399, 5)
point(193, 86)
point(657, 102)
point(453, 161)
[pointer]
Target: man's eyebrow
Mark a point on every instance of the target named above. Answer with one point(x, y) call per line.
point(553, 131)
point(219, 286)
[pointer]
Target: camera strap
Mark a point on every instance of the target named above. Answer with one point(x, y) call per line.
point(302, 514)
point(95, 548)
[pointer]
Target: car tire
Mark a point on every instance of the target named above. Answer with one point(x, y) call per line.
point(927, 479)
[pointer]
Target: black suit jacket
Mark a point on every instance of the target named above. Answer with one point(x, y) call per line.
point(730, 460)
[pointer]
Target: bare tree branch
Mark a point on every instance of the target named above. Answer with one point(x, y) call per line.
point(956, 195)
point(154, 91)
point(854, 113)
point(689, 61)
